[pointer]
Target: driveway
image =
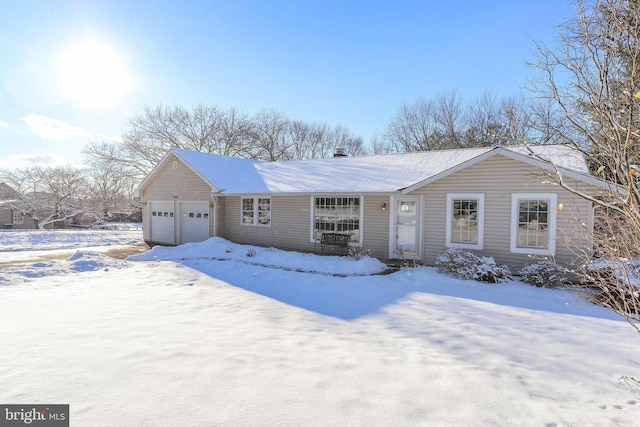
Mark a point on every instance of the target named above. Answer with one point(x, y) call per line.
point(18, 259)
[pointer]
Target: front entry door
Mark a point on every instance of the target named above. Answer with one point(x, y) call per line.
point(406, 226)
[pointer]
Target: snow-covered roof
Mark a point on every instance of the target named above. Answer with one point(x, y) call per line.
point(366, 174)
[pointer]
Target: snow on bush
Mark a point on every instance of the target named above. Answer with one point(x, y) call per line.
point(543, 274)
point(617, 286)
point(466, 265)
point(615, 277)
point(358, 252)
point(626, 273)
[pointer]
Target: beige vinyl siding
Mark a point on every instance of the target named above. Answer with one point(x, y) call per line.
point(6, 218)
point(376, 226)
point(29, 223)
point(291, 224)
point(181, 184)
point(218, 228)
point(289, 228)
point(498, 178)
point(6, 221)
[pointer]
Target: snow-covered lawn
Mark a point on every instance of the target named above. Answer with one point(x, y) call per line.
point(204, 334)
point(19, 246)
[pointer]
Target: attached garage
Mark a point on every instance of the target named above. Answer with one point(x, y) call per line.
point(161, 221)
point(194, 221)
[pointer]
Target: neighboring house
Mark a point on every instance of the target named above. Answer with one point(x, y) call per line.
point(10, 216)
point(497, 202)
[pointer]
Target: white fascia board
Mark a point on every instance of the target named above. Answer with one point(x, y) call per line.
point(533, 160)
point(525, 158)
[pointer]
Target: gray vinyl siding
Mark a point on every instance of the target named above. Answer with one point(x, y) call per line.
point(6, 221)
point(218, 229)
point(289, 229)
point(6, 218)
point(498, 178)
point(376, 226)
point(291, 224)
point(181, 184)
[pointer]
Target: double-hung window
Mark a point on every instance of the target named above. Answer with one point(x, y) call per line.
point(465, 221)
point(337, 215)
point(256, 211)
point(533, 223)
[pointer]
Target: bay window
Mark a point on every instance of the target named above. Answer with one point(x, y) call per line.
point(337, 215)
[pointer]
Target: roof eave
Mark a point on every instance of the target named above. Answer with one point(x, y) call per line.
point(530, 159)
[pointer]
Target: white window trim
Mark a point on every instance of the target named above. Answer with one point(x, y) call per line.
point(256, 219)
point(449, 219)
point(552, 223)
point(312, 218)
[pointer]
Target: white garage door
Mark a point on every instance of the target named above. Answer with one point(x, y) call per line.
point(194, 221)
point(161, 222)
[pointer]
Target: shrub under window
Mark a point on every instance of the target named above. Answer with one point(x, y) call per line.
point(468, 266)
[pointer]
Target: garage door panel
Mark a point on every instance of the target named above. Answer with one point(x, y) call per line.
point(194, 221)
point(161, 219)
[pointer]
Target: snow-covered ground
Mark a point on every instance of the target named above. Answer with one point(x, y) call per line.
point(18, 246)
point(220, 334)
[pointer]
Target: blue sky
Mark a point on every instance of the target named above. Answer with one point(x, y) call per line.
point(76, 71)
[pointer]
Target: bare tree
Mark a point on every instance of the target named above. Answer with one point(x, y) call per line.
point(267, 135)
point(110, 190)
point(309, 141)
point(270, 137)
point(341, 137)
point(65, 191)
point(51, 195)
point(517, 122)
point(234, 134)
point(156, 130)
point(25, 184)
point(381, 145)
point(445, 122)
point(413, 128)
point(449, 117)
point(591, 80)
point(274, 137)
point(484, 119)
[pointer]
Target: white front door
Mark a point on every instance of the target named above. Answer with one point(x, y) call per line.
point(406, 227)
